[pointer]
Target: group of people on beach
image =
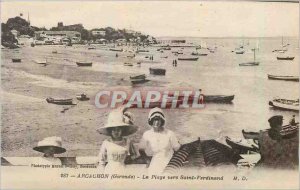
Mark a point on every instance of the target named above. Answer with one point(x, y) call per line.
point(160, 143)
point(117, 150)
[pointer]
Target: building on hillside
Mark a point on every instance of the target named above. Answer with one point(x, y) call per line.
point(24, 40)
point(98, 32)
point(56, 36)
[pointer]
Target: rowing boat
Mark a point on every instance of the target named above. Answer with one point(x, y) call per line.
point(139, 80)
point(143, 76)
point(285, 58)
point(188, 58)
point(218, 98)
point(82, 97)
point(286, 78)
point(60, 101)
point(249, 64)
point(128, 64)
point(242, 144)
point(113, 49)
point(84, 64)
point(16, 60)
point(285, 104)
point(157, 71)
point(286, 132)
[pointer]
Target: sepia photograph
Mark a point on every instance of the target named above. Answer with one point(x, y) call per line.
point(149, 94)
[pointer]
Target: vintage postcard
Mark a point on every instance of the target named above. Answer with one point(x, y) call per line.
point(149, 94)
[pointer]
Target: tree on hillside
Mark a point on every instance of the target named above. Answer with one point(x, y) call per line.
point(20, 25)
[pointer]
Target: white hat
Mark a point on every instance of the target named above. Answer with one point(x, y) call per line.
point(47, 142)
point(119, 118)
point(156, 112)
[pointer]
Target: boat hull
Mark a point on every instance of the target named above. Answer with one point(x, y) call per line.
point(188, 59)
point(16, 60)
point(138, 77)
point(241, 145)
point(60, 101)
point(117, 50)
point(284, 105)
point(286, 132)
point(249, 64)
point(157, 71)
point(218, 99)
point(285, 58)
point(286, 78)
point(84, 64)
point(139, 81)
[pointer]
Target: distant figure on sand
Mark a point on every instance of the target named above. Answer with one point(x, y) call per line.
point(117, 55)
point(201, 98)
point(158, 142)
point(293, 121)
point(117, 150)
point(49, 146)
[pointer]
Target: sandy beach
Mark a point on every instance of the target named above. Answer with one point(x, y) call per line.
point(28, 118)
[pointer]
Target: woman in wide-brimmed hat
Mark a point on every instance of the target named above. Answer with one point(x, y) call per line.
point(50, 146)
point(117, 149)
point(158, 142)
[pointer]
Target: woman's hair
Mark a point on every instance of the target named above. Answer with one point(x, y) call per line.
point(162, 120)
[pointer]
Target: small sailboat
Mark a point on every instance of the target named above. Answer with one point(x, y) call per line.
point(253, 63)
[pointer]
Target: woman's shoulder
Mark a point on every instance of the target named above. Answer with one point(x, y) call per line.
point(169, 132)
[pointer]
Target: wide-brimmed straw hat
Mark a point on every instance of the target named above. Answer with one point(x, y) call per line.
point(54, 142)
point(156, 112)
point(119, 118)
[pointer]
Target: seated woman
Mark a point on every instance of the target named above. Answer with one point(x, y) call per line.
point(158, 142)
point(49, 146)
point(115, 150)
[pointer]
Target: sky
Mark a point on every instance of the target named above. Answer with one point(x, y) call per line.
point(165, 18)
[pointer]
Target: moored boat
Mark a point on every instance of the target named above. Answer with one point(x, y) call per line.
point(285, 104)
point(16, 60)
point(141, 51)
point(157, 71)
point(285, 58)
point(84, 64)
point(114, 49)
point(242, 144)
point(286, 132)
point(82, 97)
point(281, 77)
point(139, 80)
point(218, 98)
point(42, 62)
point(128, 64)
point(60, 101)
point(188, 58)
point(199, 54)
point(249, 64)
point(240, 51)
point(143, 76)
